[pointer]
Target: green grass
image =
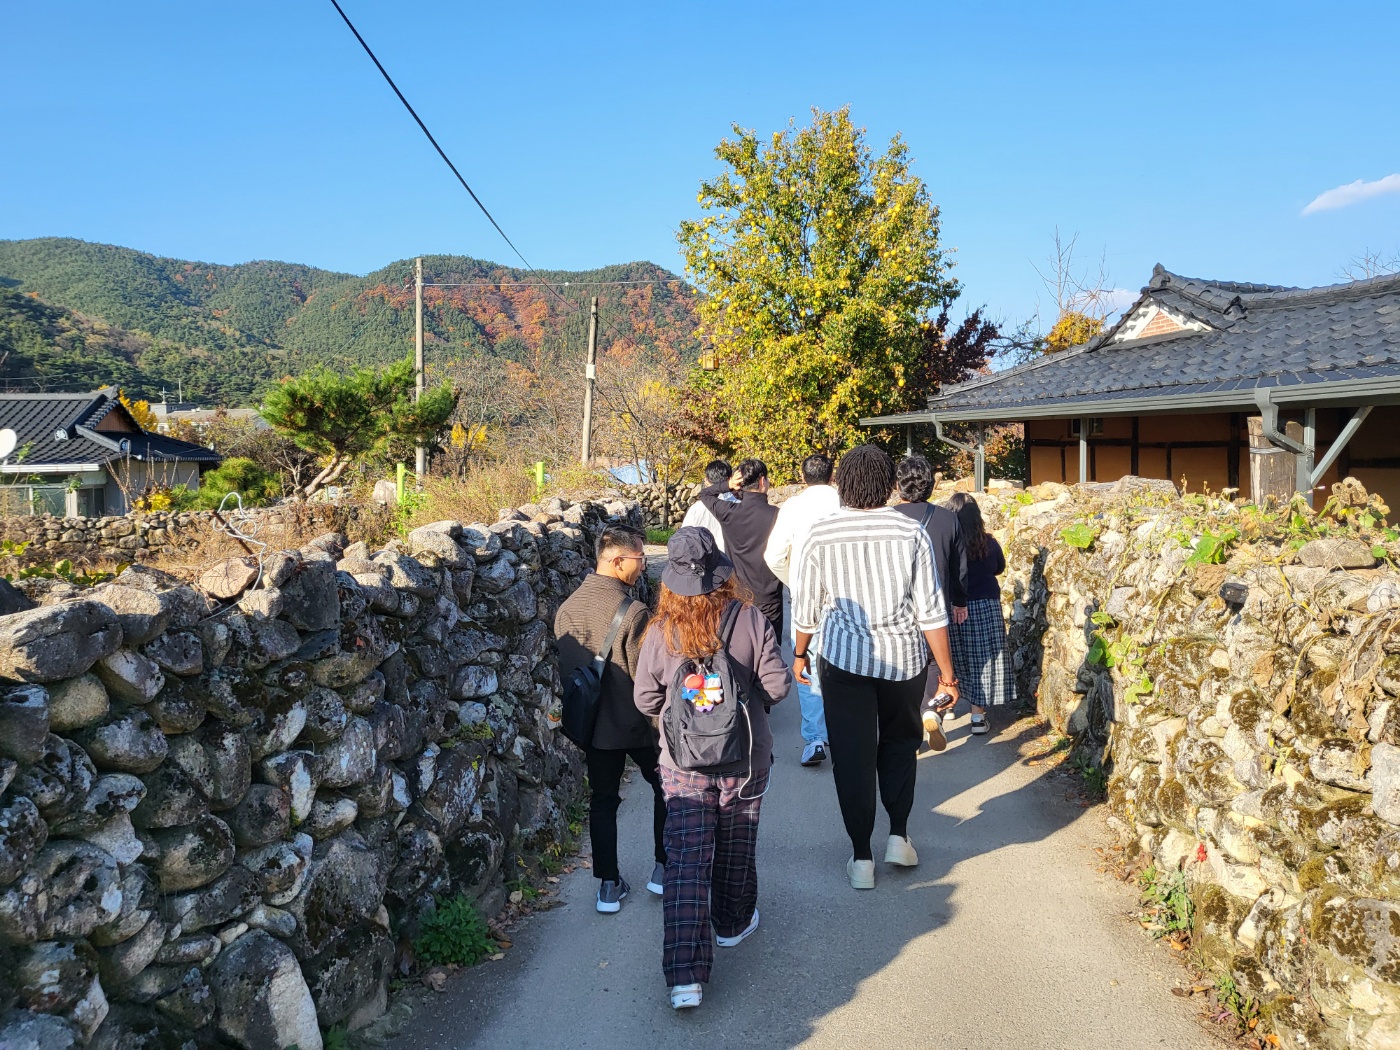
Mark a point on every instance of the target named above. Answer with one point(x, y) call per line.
point(454, 935)
point(660, 537)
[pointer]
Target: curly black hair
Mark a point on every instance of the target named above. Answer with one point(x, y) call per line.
point(865, 477)
point(914, 477)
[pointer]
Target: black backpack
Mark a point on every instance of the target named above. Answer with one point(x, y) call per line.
point(709, 731)
point(584, 688)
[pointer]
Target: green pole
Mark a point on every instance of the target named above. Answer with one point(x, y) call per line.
point(400, 475)
point(539, 477)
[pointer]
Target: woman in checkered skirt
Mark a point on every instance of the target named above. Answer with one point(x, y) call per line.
point(979, 642)
point(710, 892)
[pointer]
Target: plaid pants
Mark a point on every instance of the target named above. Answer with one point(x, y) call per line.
point(711, 870)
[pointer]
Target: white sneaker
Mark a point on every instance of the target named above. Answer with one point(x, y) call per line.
point(899, 850)
point(861, 873)
point(686, 996)
point(933, 731)
point(730, 942)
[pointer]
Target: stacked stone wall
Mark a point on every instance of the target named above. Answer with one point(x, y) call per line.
point(1250, 726)
point(142, 536)
point(663, 506)
point(225, 807)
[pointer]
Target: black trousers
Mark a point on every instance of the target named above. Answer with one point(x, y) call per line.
point(605, 778)
point(873, 732)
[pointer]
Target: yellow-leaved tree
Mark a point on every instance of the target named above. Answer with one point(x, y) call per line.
point(818, 261)
point(141, 412)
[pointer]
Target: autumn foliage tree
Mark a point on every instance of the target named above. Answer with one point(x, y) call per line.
point(342, 417)
point(819, 262)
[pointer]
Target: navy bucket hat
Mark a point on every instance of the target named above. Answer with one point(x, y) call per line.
point(694, 565)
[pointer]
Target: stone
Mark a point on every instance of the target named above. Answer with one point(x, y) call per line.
point(313, 602)
point(22, 835)
point(143, 614)
point(81, 885)
point(276, 726)
point(262, 816)
point(22, 1030)
point(59, 780)
point(119, 963)
point(279, 567)
point(294, 773)
point(179, 708)
point(261, 997)
point(1338, 762)
point(263, 604)
point(77, 703)
point(276, 921)
point(230, 766)
point(24, 722)
point(1384, 595)
point(194, 855)
point(473, 681)
point(139, 896)
point(228, 578)
point(326, 717)
point(350, 982)
point(232, 695)
point(329, 817)
point(279, 868)
point(1359, 931)
point(519, 602)
point(179, 652)
point(1385, 782)
point(343, 888)
point(276, 640)
point(495, 576)
point(437, 543)
point(481, 541)
point(54, 642)
point(60, 977)
point(128, 742)
point(407, 574)
point(457, 780)
point(190, 1001)
point(1337, 552)
point(233, 894)
point(13, 600)
point(191, 949)
point(350, 759)
point(130, 677)
point(172, 799)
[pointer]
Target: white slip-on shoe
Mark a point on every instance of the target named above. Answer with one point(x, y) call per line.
point(730, 942)
point(861, 873)
point(899, 850)
point(657, 883)
point(686, 996)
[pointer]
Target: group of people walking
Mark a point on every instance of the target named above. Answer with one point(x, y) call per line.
point(877, 592)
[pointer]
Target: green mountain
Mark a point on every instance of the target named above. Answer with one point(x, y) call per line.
point(79, 315)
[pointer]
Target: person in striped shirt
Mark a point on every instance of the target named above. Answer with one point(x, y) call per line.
point(868, 582)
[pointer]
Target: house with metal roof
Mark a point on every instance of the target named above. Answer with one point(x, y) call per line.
point(1257, 387)
point(85, 455)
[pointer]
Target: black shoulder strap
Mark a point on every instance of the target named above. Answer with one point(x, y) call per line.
point(928, 513)
point(601, 658)
point(727, 620)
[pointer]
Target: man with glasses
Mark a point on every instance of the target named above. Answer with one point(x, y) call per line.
point(582, 627)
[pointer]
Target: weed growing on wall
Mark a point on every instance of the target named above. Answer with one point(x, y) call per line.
point(1168, 910)
point(454, 935)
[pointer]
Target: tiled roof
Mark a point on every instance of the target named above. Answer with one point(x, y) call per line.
point(37, 420)
point(1261, 336)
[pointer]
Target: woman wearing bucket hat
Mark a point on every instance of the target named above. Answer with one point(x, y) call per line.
point(710, 667)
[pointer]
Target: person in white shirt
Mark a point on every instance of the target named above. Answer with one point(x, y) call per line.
point(698, 516)
point(795, 520)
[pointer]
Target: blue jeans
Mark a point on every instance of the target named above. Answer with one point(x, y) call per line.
point(813, 710)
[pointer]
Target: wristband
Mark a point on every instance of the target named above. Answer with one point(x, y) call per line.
point(799, 656)
point(947, 681)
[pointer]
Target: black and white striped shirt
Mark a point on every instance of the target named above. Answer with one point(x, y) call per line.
point(867, 579)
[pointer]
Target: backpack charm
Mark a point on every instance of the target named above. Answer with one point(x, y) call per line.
point(703, 690)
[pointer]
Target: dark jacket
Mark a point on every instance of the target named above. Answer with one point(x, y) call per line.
point(747, 525)
point(943, 529)
point(581, 627)
point(982, 573)
point(753, 645)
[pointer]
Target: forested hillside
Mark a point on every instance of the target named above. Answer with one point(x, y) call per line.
point(74, 314)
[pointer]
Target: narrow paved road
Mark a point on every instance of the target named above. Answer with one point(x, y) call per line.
point(1004, 936)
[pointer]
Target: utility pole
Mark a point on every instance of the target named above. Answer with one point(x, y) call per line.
point(420, 454)
point(591, 373)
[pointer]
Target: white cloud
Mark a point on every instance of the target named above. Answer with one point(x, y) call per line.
point(1353, 193)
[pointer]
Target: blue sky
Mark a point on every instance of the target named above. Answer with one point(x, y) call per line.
point(1192, 135)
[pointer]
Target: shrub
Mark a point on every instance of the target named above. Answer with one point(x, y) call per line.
point(454, 935)
point(254, 484)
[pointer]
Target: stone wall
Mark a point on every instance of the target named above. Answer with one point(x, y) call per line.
point(1250, 725)
point(219, 817)
point(140, 536)
point(663, 506)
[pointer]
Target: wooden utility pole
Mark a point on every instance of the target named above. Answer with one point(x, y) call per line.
point(591, 374)
point(420, 454)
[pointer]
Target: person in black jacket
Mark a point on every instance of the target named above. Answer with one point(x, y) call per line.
point(747, 525)
point(581, 627)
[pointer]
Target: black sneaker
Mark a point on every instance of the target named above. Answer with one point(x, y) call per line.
point(979, 725)
point(814, 754)
point(611, 895)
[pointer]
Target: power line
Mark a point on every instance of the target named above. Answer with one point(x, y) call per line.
point(441, 153)
point(535, 284)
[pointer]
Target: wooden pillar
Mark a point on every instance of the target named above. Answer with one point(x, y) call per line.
point(1133, 469)
point(1083, 450)
point(1232, 465)
point(1272, 471)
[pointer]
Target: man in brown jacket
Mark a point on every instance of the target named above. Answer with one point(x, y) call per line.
point(581, 627)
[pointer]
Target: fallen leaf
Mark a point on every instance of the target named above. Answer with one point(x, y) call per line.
point(503, 944)
point(603, 965)
point(435, 979)
point(551, 878)
point(516, 896)
point(497, 957)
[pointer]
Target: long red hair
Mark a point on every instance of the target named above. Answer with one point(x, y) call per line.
point(690, 625)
